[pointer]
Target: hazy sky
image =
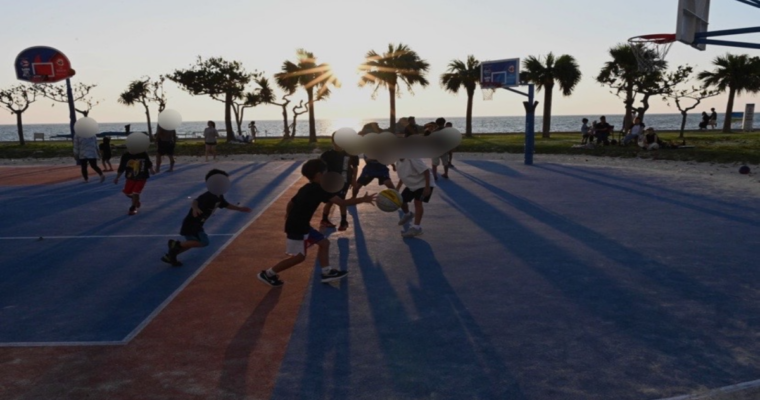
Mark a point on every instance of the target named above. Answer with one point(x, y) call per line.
point(112, 43)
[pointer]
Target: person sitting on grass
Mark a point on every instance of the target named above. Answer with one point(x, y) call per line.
point(192, 226)
point(602, 131)
point(299, 233)
point(636, 131)
point(650, 140)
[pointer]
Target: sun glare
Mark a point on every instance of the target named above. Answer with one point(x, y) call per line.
point(346, 73)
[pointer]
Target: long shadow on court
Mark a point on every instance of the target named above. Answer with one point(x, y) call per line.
point(441, 354)
point(233, 383)
point(328, 353)
point(688, 351)
point(739, 217)
point(656, 272)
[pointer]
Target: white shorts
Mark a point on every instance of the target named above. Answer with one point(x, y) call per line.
point(294, 247)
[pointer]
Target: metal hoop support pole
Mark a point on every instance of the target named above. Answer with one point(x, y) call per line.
point(530, 121)
point(72, 110)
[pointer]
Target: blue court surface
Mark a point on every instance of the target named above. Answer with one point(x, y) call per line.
point(76, 269)
point(544, 282)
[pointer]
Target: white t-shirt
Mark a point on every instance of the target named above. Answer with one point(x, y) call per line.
point(411, 171)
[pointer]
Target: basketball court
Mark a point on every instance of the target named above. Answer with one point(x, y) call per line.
point(546, 281)
point(513, 291)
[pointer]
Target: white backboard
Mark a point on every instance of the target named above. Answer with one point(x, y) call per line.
point(693, 17)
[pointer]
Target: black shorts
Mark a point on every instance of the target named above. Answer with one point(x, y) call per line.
point(165, 148)
point(343, 192)
point(408, 195)
point(210, 143)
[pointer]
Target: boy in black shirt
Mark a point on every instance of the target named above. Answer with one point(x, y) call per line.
point(192, 226)
point(341, 162)
point(300, 234)
point(138, 169)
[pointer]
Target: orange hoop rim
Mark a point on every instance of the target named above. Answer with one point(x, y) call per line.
point(656, 38)
point(490, 85)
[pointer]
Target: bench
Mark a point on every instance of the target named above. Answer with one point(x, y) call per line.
point(39, 135)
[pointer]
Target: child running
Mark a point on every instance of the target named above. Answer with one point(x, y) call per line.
point(105, 153)
point(300, 234)
point(415, 175)
point(192, 226)
point(339, 161)
point(137, 169)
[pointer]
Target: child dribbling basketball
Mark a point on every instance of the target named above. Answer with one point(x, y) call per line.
point(415, 175)
point(300, 234)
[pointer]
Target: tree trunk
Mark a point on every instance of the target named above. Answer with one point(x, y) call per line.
point(628, 118)
point(683, 124)
point(468, 120)
point(286, 128)
point(20, 127)
point(642, 111)
point(147, 117)
point(548, 93)
point(312, 121)
point(228, 116)
point(392, 93)
point(729, 110)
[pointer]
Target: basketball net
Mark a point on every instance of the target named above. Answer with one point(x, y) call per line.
point(650, 50)
point(488, 90)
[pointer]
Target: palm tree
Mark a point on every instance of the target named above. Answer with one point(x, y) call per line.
point(398, 64)
point(309, 75)
point(563, 70)
point(463, 74)
point(737, 74)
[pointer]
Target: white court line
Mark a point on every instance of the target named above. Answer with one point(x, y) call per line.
point(168, 300)
point(717, 392)
point(100, 236)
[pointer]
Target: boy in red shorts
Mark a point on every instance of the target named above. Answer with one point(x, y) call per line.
point(137, 169)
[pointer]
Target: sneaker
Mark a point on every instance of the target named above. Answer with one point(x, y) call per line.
point(412, 232)
point(173, 246)
point(172, 260)
point(333, 275)
point(326, 224)
point(343, 226)
point(406, 218)
point(273, 281)
point(132, 211)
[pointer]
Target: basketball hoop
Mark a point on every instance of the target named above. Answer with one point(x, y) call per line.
point(488, 89)
point(650, 50)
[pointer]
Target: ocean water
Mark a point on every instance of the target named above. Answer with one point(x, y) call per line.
point(325, 127)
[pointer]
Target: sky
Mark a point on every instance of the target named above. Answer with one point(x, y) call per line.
point(112, 43)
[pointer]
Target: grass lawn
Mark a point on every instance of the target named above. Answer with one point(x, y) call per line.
point(712, 147)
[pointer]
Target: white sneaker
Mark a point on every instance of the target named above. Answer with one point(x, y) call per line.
point(412, 232)
point(406, 218)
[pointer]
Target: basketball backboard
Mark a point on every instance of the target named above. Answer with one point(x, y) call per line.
point(500, 73)
point(693, 18)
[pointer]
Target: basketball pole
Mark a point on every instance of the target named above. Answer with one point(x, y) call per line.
point(530, 121)
point(72, 110)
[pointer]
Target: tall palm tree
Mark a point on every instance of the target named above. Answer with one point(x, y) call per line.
point(737, 74)
point(463, 74)
point(399, 64)
point(563, 70)
point(308, 74)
